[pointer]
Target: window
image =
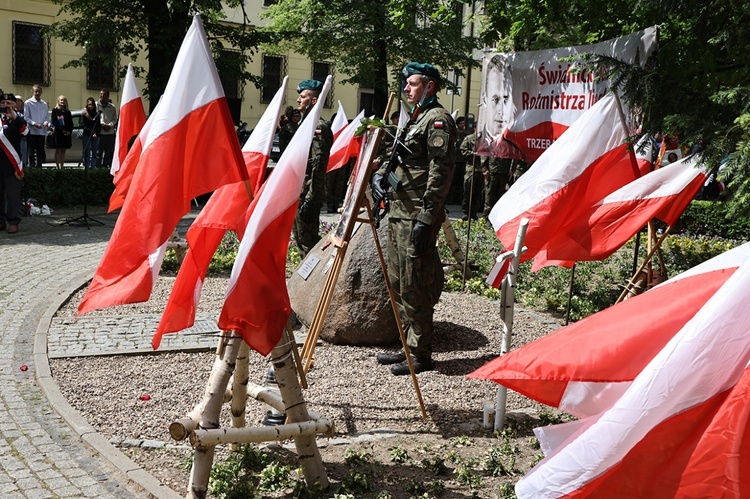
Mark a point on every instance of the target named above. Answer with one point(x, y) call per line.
point(101, 70)
point(273, 73)
point(320, 71)
point(230, 67)
point(31, 54)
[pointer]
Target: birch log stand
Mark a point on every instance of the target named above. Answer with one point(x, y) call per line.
point(201, 425)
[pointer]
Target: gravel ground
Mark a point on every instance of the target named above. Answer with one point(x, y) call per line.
point(347, 385)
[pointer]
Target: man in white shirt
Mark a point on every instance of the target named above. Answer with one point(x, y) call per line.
point(36, 113)
point(107, 134)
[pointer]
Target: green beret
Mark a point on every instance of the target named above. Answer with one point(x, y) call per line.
point(421, 68)
point(314, 85)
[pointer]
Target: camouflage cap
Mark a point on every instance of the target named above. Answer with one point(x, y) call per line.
point(421, 68)
point(314, 85)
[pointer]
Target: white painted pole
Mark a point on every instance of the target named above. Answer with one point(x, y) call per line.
point(507, 297)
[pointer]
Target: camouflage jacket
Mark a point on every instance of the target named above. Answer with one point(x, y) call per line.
point(313, 188)
point(429, 155)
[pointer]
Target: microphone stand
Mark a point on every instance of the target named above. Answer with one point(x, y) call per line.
point(85, 220)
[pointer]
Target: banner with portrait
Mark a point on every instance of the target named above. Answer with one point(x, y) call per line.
point(528, 99)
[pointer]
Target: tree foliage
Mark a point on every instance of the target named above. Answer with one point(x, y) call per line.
point(699, 90)
point(119, 32)
point(367, 39)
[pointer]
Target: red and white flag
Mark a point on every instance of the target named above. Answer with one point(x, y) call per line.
point(227, 209)
point(181, 159)
point(644, 154)
point(130, 121)
point(679, 430)
point(346, 145)
point(10, 152)
point(257, 303)
point(605, 227)
point(585, 367)
point(124, 176)
point(339, 122)
point(589, 161)
point(500, 269)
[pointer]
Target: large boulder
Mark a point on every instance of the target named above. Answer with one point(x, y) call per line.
point(360, 312)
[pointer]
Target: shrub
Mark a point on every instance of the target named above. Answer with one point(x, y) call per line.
point(68, 187)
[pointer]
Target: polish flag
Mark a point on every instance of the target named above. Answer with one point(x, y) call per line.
point(257, 148)
point(191, 149)
point(500, 269)
point(679, 429)
point(124, 176)
point(257, 303)
point(644, 153)
point(588, 161)
point(131, 120)
point(227, 209)
point(585, 367)
point(339, 122)
point(605, 227)
point(346, 145)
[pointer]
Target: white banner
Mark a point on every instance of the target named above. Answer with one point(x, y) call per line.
point(528, 99)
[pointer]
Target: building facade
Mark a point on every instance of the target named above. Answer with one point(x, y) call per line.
point(31, 58)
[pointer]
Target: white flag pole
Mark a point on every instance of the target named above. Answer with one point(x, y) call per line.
point(507, 297)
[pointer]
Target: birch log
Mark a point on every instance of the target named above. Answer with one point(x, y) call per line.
point(307, 449)
point(239, 388)
point(214, 397)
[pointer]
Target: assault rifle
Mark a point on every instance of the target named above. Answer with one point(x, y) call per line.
point(389, 177)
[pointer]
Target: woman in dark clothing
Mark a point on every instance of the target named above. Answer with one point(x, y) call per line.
point(62, 122)
point(90, 133)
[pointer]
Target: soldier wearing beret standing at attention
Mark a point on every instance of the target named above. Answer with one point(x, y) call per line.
point(417, 210)
point(307, 222)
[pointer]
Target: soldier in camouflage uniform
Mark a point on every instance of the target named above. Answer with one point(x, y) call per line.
point(307, 222)
point(497, 176)
point(473, 179)
point(417, 210)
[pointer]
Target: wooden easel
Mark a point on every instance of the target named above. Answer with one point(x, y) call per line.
point(632, 287)
point(356, 206)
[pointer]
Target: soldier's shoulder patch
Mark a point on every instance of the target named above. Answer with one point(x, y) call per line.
point(439, 124)
point(438, 141)
point(318, 131)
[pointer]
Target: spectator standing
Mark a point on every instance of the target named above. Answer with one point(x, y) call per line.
point(108, 120)
point(91, 128)
point(62, 130)
point(455, 195)
point(36, 113)
point(11, 171)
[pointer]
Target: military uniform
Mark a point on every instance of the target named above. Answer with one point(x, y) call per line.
point(473, 177)
point(499, 177)
point(307, 222)
point(425, 175)
point(306, 228)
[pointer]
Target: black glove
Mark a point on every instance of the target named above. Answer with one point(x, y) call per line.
point(420, 237)
point(378, 192)
point(306, 212)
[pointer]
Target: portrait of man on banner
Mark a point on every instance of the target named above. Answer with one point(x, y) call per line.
point(496, 110)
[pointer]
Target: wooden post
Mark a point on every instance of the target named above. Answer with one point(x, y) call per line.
point(507, 307)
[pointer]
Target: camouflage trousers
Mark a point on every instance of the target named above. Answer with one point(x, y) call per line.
point(417, 282)
point(306, 234)
point(495, 186)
